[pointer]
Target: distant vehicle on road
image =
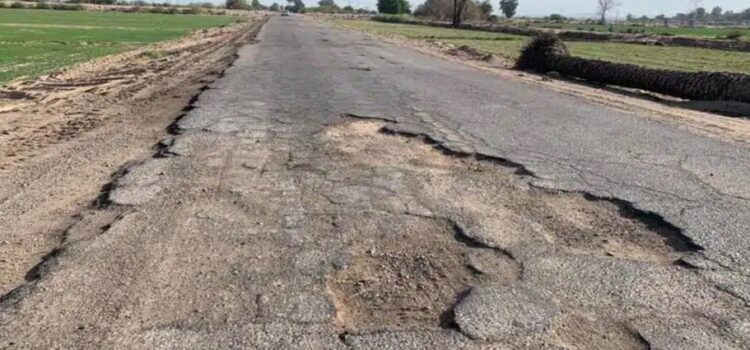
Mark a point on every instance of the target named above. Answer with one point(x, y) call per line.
point(285, 13)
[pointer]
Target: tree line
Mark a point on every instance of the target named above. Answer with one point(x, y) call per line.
point(449, 10)
point(461, 10)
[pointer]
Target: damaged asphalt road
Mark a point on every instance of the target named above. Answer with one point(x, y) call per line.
point(333, 192)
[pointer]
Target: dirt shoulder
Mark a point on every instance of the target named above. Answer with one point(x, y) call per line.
point(697, 116)
point(62, 136)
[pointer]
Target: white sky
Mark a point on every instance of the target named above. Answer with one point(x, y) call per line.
point(571, 8)
point(636, 7)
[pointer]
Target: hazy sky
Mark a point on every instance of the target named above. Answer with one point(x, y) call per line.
point(583, 7)
point(572, 8)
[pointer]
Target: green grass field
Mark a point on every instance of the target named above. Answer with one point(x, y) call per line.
point(509, 46)
point(34, 42)
point(712, 33)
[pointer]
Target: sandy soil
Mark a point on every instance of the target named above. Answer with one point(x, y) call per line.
point(62, 136)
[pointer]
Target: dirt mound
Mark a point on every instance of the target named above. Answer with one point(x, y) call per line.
point(548, 53)
point(538, 53)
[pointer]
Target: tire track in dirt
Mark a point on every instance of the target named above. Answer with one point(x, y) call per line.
point(63, 135)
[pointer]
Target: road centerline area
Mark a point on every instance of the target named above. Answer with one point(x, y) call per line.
point(330, 191)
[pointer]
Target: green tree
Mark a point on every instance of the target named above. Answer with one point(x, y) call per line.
point(508, 7)
point(255, 5)
point(486, 8)
point(295, 5)
point(236, 4)
point(275, 7)
point(329, 3)
point(556, 17)
point(395, 7)
point(717, 11)
point(700, 12)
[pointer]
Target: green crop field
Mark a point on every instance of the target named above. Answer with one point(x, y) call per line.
point(34, 42)
point(650, 29)
point(509, 46)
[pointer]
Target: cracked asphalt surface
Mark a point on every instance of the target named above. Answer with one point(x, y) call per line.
point(333, 192)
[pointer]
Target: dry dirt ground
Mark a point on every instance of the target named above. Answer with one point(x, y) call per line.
point(62, 136)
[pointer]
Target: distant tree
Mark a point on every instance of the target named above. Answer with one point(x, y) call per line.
point(275, 7)
point(255, 5)
point(443, 10)
point(329, 3)
point(458, 12)
point(295, 5)
point(556, 17)
point(700, 13)
point(405, 6)
point(348, 9)
point(205, 5)
point(236, 4)
point(438, 9)
point(394, 7)
point(420, 11)
point(509, 7)
point(486, 8)
point(629, 17)
point(604, 7)
point(717, 11)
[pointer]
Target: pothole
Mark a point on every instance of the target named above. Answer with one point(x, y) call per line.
point(507, 209)
point(576, 332)
point(411, 275)
point(584, 224)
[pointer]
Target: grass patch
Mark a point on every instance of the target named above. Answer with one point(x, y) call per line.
point(509, 46)
point(35, 42)
point(687, 59)
point(425, 32)
point(710, 33)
